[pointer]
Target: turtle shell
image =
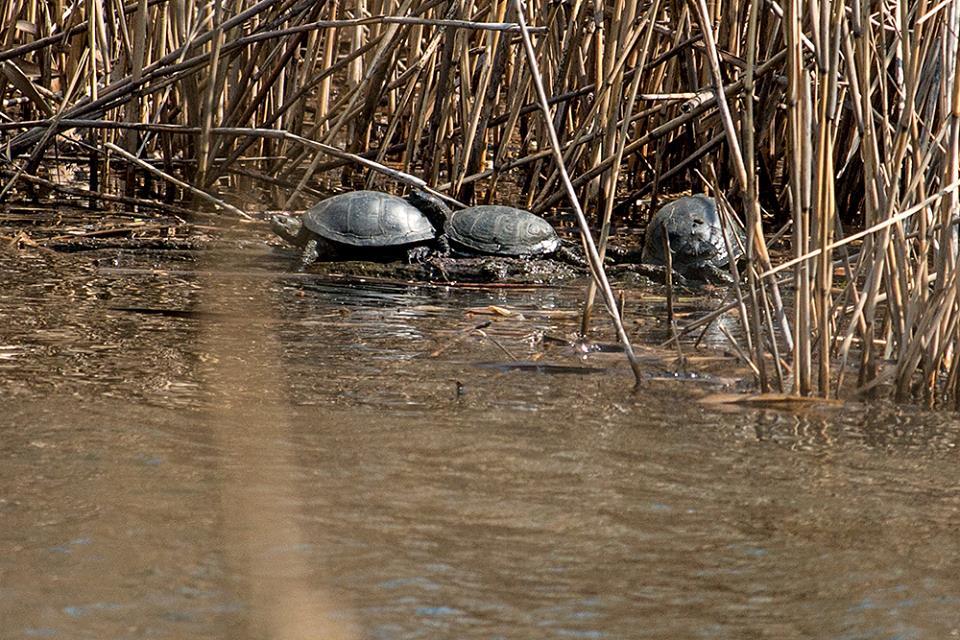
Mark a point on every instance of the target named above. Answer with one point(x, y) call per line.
point(695, 232)
point(499, 230)
point(368, 219)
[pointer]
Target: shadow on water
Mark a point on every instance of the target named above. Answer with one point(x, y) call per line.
point(431, 486)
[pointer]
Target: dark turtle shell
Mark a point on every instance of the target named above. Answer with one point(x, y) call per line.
point(695, 232)
point(503, 231)
point(368, 219)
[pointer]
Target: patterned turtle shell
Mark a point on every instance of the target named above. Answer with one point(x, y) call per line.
point(368, 219)
point(499, 230)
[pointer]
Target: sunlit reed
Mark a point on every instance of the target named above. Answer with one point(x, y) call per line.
point(837, 117)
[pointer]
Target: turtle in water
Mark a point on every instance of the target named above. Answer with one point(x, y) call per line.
point(361, 224)
point(696, 239)
point(495, 230)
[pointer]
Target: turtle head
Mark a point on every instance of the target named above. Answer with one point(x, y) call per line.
point(287, 227)
point(433, 207)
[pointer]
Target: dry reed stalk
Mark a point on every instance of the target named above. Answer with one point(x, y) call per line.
point(749, 197)
point(836, 114)
point(197, 192)
point(618, 141)
point(204, 151)
point(665, 241)
point(596, 263)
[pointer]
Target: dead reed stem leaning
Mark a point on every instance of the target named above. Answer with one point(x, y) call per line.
point(596, 263)
point(842, 118)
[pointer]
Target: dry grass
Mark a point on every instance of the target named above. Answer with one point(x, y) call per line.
point(828, 115)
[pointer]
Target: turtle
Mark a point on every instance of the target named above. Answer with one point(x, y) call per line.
point(495, 230)
point(696, 238)
point(361, 224)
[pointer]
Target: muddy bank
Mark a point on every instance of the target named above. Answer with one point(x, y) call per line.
point(117, 240)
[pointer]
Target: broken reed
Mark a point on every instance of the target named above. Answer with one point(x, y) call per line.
point(831, 115)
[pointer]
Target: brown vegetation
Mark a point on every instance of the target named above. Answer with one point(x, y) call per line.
point(826, 115)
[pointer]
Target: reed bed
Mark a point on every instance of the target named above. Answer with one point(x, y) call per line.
point(840, 120)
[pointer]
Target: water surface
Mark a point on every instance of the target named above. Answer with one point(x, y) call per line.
point(420, 488)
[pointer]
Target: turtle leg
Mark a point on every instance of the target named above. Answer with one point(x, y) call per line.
point(570, 256)
point(440, 249)
point(416, 255)
point(656, 272)
point(443, 245)
point(310, 253)
point(714, 274)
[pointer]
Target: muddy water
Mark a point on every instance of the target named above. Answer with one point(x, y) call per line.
point(432, 491)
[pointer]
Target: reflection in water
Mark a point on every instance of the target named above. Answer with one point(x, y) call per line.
point(432, 498)
point(259, 518)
